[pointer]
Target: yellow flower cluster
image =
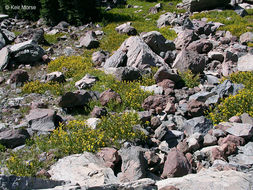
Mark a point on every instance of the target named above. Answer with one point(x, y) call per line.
point(40, 88)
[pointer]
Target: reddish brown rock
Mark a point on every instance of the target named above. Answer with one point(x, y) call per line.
point(183, 146)
point(238, 141)
point(176, 165)
point(170, 108)
point(110, 156)
point(153, 102)
point(196, 108)
point(167, 83)
point(169, 188)
point(108, 96)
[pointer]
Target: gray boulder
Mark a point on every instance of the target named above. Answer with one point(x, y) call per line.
point(89, 40)
point(198, 125)
point(246, 37)
point(239, 129)
point(85, 169)
point(165, 19)
point(13, 137)
point(139, 54)
point(55, 77)
point(118, 59)
point(2, 41)
point(245, 63)
point(8, 36)
point(26, 52)
point(42, 120)
point(4, 58)
point(100, 57)
point(134, 164)
point(190, 60)
point(86, 82)
point(200, 5)
point(126, 29)
point(184, 38)
point(157, 42)
point(201, 46)
point(165, 73)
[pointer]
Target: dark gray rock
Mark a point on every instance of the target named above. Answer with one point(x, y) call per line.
point(43, 120)
point(75, 99)
point(2, 41)
point(13, 137)
point(240, 11)
point(157, 42)
point(127, 74)
point(8, 36)
point(26, 52)
point(19, 77)
point(24, 183)
point(198, 125)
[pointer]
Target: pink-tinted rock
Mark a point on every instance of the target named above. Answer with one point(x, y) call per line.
point(170, 108)
point(183, 146)
point(196, 108)
point(238, 141)
point(110, 156)
point(166, 83)
point(153, 102)
point(235, 119)
point(169, 188)
point(108, 96)
point(176, 165)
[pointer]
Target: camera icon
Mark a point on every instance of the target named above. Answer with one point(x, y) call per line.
point(7, 7)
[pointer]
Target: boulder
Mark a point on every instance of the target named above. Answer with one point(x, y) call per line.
point(42, 120)
point(56, 76)
point(98, 112)
point(75, 99)
point(200, 5)
point(240, 11)
point(8, 36)
point(13, 137)
point(165, 19)
point(108, 96)
point(86, 82)
point(196, 108)
point(153, 102)
point(100, 57)
point(126, 28)
point(246, 118)
point(245, 63)
point(153, 89)
point(2, 41)
point(139, 54)
point(239, 129)
point(214, 55)
point(197, 125)
point(26, 52)
point(176, 165)
point(127, 74)
point(134, 164)
point(118, 59)
point(190, 60)
point(246, 37)
point(210, 179)
point(4, 58)
point(110, 156)
point(184, 38)
point(85, 169)
point(157, 42)
point(93, 122)
point(89, 40)
point(165, 73)
point(201, 46)
point(19, 77)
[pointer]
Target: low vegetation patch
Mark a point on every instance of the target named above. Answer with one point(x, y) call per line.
point(234, 23)
point(191, 80)
point(74, 137)
point(238, 104)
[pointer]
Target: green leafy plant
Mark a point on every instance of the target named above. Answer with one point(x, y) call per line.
point(191, 80)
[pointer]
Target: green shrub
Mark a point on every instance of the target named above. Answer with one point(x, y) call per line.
point(190, 79)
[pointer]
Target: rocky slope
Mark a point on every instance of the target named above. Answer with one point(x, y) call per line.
point(173, 144)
